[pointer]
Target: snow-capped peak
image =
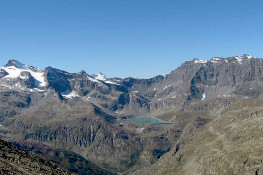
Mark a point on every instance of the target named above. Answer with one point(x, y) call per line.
point(16, 64)
point(14, 69)
point(241, 58)
point(237, 59)
point(247, 56)
point(196, 60)
point(99, 76)
point(20, 65)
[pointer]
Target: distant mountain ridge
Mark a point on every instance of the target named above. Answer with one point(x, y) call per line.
point(87, 113)
point(156, 90)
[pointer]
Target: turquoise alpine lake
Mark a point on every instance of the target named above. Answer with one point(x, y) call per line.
point(147, 120)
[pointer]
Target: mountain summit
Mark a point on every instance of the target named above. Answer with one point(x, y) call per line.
point(99, 76)
point(16, 64)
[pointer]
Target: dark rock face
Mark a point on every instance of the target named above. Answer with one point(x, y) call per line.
point(13, 63)
point(3, 73)
point(57, 79)
point(228, 77)
point(27, 81)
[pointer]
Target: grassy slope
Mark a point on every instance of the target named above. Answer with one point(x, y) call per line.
point(229, 144)
point(64, 158)
point(16, 161)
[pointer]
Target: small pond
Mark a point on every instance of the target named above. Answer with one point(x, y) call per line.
point(147, 120)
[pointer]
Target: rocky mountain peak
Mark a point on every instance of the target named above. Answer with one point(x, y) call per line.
point(82, 72)
point(15, 63)
point(247, 56)
point(20, 65)
point(19, 76)
point(196, 60)
point(99, 76)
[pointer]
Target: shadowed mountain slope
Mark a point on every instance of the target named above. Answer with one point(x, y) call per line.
point(17, 161)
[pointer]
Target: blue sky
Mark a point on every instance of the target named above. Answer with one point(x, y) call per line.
point(121, 38)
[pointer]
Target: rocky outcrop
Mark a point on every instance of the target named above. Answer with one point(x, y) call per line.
point(57, 79)
point(3, 73)
point(26, 80)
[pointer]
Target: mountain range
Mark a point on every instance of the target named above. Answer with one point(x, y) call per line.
point(202, 118)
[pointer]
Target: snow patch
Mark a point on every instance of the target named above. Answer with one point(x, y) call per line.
point(239, 59)
point(14, 72)
point(110, 82)
point(215, 60)
point(203, 97)
point(200, 61)
point(247, 56)
point(99, 76)
point(92, 79)
point(37, 90)
point(71, 94)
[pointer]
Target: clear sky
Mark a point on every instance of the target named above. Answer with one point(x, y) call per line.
point(121, 38)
